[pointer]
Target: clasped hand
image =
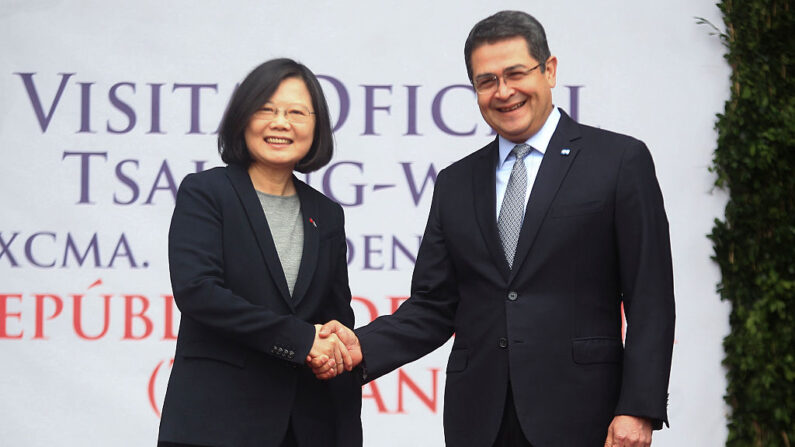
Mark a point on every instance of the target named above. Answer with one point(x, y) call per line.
point(335, 350)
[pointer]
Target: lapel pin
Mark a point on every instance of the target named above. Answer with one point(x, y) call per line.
point(565, 152)
point(312, 221)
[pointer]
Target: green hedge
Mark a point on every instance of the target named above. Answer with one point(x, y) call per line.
point(755, 244)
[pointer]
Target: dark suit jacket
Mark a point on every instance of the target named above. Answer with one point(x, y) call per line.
point(594, 234)
point(238, 376)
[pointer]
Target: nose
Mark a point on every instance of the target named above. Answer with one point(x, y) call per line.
point(503, 89)
point(280, 120)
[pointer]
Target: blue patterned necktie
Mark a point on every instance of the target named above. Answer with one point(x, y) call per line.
point(509, 222)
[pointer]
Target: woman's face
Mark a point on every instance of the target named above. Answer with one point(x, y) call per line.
point(280, 133)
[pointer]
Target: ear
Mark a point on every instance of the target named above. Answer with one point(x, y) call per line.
point(551, 70)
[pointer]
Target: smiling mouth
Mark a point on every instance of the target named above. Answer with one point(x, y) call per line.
point(511, 108)
point(278, 140)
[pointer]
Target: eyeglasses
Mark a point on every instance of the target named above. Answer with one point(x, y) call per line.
point(489, 82)
point(294, 113)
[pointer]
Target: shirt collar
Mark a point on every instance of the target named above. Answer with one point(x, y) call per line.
point(539, 141)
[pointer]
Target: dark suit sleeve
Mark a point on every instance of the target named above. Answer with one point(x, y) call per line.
point(196, 262)
point(647, 287)
point(424, 321)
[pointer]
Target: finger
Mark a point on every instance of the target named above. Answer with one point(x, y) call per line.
point(609, 439)
point(347, 359)
point(330, 373)
point(324, 376)
point(318, 362)
point(338, 348)
point(324, 366)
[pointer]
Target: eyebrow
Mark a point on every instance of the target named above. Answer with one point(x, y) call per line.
point(512, 67)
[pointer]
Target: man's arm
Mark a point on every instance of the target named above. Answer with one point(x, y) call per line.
point(424, 321)
point(646, 281)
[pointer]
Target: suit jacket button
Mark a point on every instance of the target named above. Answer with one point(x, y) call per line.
point(503, 342)
point(512, 295)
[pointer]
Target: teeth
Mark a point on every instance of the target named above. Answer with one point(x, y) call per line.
point(510, 109)
point(275, 140)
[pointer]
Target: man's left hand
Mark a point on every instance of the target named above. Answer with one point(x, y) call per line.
point(629, 431)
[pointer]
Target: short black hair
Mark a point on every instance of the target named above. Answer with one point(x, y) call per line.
point(255, 90)
point(505, 25)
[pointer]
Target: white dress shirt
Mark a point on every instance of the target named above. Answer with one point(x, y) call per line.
point(532, 160)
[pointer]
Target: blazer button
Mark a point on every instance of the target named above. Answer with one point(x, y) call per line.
point(512, 295)
point(503, 342)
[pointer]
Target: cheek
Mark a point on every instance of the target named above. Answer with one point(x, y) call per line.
point(483, 105)
point(307, 135)
point(306, 144)
point(251, 134)
point(485, 111)
point(251, 140)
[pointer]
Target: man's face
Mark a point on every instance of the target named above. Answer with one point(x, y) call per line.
point(519, 110)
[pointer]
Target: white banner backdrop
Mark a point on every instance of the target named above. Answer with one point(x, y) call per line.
point(106, 106)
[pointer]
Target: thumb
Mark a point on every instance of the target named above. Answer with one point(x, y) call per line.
point(609, 439)
point(329, 328)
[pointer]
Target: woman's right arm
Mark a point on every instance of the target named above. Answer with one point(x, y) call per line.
point(196, 264)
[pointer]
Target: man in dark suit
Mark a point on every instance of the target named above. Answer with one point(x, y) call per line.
point(532, 245)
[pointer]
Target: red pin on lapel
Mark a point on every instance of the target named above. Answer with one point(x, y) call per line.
point(312, 221)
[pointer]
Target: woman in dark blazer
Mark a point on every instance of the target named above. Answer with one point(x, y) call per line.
point(256, 257)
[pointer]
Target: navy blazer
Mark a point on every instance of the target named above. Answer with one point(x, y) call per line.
point(594, 235)
point(239, 376)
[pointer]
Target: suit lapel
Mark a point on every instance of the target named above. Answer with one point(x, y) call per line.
point(551, 173)
point(241, 182)
point(484, 177)
point(309, 215)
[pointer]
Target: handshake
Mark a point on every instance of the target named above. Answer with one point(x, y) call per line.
point(336, 349)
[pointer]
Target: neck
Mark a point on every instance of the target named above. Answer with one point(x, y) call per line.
point(276, 182)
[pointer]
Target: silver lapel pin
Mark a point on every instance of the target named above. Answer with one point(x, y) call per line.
point(565, 152)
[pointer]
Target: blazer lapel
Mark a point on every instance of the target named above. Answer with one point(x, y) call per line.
point(557, 160)
point(241, 182)
point(484, 177)
point(309, 214)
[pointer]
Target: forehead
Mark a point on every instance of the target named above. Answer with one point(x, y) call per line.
point(291, 90)
point(496, 56)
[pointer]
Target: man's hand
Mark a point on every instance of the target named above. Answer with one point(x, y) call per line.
point(353, 351)
point(628, 431)
point(329, 353)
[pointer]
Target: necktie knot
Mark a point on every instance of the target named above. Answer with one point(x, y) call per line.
point(521, 150)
